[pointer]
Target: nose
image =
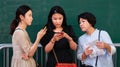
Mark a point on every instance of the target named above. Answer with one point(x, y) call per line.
point(32, 18)
point(80, 24)
point(57, 21)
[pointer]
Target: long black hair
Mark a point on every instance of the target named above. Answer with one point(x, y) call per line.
point(22, 10)
point(55, 9)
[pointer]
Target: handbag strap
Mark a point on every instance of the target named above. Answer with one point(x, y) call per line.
point(55, 56)
point(97, 56)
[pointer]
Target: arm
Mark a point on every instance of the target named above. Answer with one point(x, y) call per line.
point(40, 34)
point(106, 43)
point(110, 49)
point(86, 53)
point(29, 51)
point(73, 44)
point(70, 36)
point(82, 52)
point(50, 45)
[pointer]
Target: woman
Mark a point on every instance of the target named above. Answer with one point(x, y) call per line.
point(23, 49)
point(59, 38)
point(95, 47)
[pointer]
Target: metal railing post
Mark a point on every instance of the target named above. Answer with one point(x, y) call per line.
point(7, 57)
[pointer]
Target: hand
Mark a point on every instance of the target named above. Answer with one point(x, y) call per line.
point(41, 33)
point(100, 45)
point(25, 57)
point(57, 36)
point(67, 36)
point(88, 51)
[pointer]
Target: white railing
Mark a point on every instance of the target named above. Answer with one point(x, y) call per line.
point(6, 54)
point(117, 45)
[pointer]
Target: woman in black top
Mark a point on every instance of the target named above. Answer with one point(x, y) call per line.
point(59, 37)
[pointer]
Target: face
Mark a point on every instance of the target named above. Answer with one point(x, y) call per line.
point(57, 20)
point(84, 24)
point(28, 18)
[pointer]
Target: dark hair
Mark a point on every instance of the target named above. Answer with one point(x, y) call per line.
point(89, 17)
point(22, 10)
point(55, 9)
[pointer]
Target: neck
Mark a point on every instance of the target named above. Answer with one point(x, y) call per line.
point(22, 26)
point(90, 31)
point(59, 29)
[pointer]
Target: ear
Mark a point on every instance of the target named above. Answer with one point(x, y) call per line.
point(21, 17)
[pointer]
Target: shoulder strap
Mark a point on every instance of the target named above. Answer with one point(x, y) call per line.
point(55, 56)
point(99, 35)
point(97, 56)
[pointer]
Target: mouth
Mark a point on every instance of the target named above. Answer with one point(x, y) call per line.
point(81, 27)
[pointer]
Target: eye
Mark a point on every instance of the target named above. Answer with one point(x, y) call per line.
point(54, 18)
point(60, 18)
point(30, 14)
point(83, 21)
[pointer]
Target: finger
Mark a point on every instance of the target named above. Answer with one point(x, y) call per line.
point(45, 28)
